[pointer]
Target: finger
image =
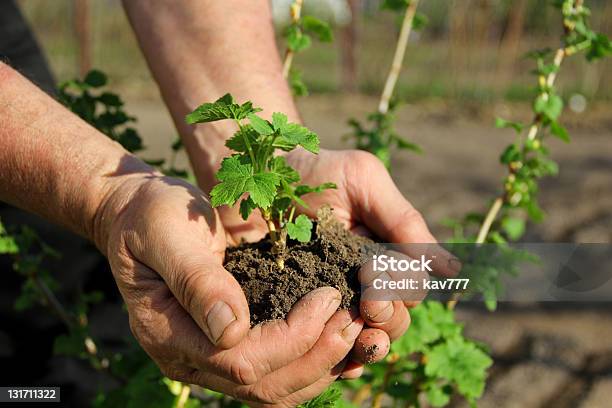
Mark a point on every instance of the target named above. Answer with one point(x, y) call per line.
point(352, 370)
point(397, 324)
point(186, 256)
point(377, 305)
point(384, 210)
point(331, 348)
point(371, 346)
point(275, 344)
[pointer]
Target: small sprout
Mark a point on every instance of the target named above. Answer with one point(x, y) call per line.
point(258, 178)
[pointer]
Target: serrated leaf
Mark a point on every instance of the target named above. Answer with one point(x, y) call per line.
point(233, 176)
point(293, 135)
point(261, 126)
point(559, 131)
point(246, 208)
point(301, 229)
point(279, 121)
point(223, 108)
point(237, 178)
point(237, 141)
point(327, 399)
point(462, 362)
point(287, 173)
point(318, 28)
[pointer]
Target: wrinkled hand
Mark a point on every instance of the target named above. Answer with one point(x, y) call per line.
point(367, 202)
point(166, 246)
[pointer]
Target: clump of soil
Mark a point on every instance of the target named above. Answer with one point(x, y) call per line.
point(331, 258)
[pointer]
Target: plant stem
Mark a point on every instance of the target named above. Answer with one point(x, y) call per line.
point(362, 394)
point(532, 134)
point(296, 11)
point(398, 57)
point(183, 396)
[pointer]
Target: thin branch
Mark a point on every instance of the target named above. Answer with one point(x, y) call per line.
point(398, 57)
point(296, 11)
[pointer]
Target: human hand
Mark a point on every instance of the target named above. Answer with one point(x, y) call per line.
point(367, 202)
point(166, 245)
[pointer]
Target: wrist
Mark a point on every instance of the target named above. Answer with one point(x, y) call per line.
point(117, 193)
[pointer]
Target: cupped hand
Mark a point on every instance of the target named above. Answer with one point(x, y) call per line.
point(367, 201)
point(166, 245)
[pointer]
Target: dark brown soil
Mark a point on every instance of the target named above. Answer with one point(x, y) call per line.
point(331, 258)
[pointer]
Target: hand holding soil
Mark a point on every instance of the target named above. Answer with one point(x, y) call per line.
point(367, 202)
point(191, 316)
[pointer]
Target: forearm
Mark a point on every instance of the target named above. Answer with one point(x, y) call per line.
point(200, 49)
point(51, 162)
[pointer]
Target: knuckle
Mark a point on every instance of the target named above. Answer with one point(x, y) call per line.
point(243, 372)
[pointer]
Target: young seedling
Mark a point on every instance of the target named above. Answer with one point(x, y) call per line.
point(263, 180)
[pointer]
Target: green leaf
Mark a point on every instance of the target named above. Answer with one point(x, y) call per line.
point(406, 145)
point(110, 99)
point(328, 399)
point(95, 78)
point(510, 154)
point(559, 131)
point(462, 362)
point(7, 243)
point(550, 106)
point(237, 141)
point(600, 47)
point(177, 144)
point(304, 189)
point(318, 28)
point(222, 108)
point(438, 396)
point(298, 87)
point(279, 121)
point(394, 5)
point(419, 21)
point(301, 229)
point(293, 135)
point(513, 227)
point(246, 207)
point(502, 123)
point(431, 321)
point(237, 178)
point(297, 40)
point(260, 125)
point(287, 173)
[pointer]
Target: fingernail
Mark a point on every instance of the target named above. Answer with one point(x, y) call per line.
point(334, 298)
point(455, 265)
point(353, 329)
point(219, 317)
point(384, 315)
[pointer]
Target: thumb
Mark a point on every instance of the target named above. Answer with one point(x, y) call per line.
point(386, 212)
point(198, 281)
point(213, 298)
